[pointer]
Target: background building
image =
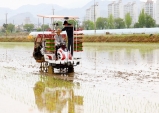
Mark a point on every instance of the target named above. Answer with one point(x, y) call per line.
point(27, 20)
point(111, 8)
point(88, 14)
point(132, 9)
point(157, 11)
point(149, 8)
point(116, 9)
point(91, 12)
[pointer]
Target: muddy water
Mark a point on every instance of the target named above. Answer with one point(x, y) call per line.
point(112, 78)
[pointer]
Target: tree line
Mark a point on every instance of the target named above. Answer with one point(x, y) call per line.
point(144, 20)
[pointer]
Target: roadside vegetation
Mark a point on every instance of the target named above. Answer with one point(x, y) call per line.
point(12, 33)
point(91, 38)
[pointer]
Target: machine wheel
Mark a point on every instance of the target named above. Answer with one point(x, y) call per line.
point(70, 69)
point(45, 67)
point(58, 56)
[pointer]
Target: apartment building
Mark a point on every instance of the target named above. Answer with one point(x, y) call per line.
point(92, 13)
point(88, 14)
point(132, 9)
point(27, 20)
point(116, 9)
point(157, 11)
point(149, 8)
point(111, 8)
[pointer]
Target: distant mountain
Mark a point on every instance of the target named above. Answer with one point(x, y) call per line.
point(17, 16)
point(22, 12)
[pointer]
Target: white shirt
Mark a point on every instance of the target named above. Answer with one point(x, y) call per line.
point(58, 39)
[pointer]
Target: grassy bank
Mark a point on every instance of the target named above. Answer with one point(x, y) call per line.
point(16, 39)
point(122, 38)
point(94, 38)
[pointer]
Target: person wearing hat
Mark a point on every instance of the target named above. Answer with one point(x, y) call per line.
point(69, 30)
point(58, 40)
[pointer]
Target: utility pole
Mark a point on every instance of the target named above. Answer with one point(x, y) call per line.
point(53, 18)
point(94, 18)
point(14, 26)
point(6, 25)
point(38, 23)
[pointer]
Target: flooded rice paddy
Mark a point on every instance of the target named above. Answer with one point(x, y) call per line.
point(112, 78)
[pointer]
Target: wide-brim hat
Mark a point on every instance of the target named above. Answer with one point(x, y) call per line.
point(65, 22)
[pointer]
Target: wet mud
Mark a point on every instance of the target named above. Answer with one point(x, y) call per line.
point(112, 77)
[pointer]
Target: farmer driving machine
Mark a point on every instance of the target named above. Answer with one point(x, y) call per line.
point(44, 50)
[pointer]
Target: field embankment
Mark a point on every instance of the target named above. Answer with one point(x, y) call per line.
point(17, 39)
point(94, 38)
point(122, 38)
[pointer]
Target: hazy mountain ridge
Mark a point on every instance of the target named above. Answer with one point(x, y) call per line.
point(18, 15)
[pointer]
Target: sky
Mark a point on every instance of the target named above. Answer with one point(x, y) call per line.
point(14, 4)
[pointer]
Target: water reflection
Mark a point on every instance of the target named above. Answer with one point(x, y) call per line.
point(113, 78)
point(57, 95)
point(121, 56)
